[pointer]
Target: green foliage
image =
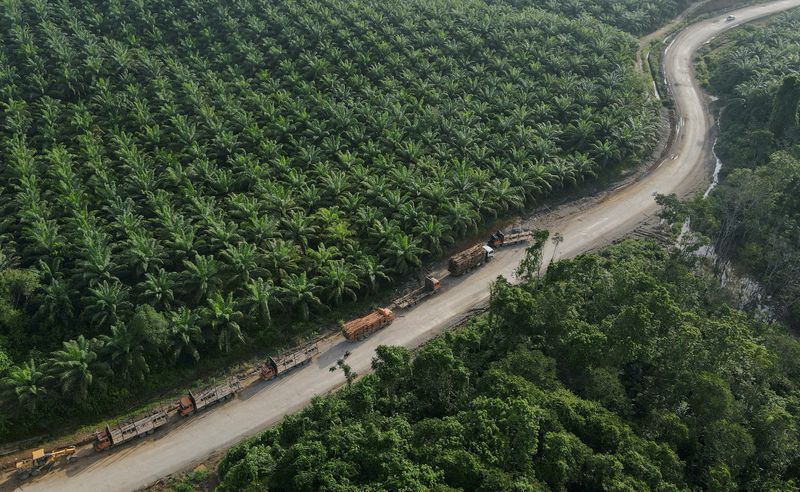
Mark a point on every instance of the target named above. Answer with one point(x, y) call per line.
point(752, 217)
point(176, 175)
point(641, 384)
point(755, 72)
point(531, 265)
point(633, 16)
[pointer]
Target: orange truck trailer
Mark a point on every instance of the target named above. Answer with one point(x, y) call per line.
point(192, 402)
point(118, 434)
point(360, 328)
point(275, 366)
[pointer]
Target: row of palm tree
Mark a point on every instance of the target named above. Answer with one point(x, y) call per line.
point(234, 162)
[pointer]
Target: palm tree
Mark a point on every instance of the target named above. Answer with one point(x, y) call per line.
point(260, 293)
point(185, 333)
point(201, 277)
point(432, 233)
point(96, 265)
point(403, 252)
point(126, 350)
point(225, 319)
point(283, 257)
point(300, 293)
point(54, 302)
point(300, 228)
point(26, 384)
point(142, 253)
point(370, 269)
point(157, 288)
point(76, 368)
point(107, 303)
point(243, 260)
point(339, 280)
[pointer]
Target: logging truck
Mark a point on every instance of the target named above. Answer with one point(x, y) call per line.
point(124, 432)
point(361, 328)
point(499, 239)
point(430, 287)
point(192, 402)
point(275, 366)
point(470, 258)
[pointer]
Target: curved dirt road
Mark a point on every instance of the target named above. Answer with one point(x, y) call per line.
point(143, 462)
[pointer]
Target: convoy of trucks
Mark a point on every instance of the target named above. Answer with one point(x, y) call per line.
point(273, 367)
point(362, 327)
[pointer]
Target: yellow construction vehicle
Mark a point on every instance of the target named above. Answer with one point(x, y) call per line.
point(41, 462)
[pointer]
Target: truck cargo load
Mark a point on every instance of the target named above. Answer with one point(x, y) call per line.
point(470, 258)
point(362, 327)
point(194, 402)
point(275, 366)
point(118, 434)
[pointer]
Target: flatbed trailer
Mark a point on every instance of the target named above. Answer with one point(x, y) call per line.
point(432, 286)
point(124, 432)
point(194, 402)
point(275, 366)
point(500, 239)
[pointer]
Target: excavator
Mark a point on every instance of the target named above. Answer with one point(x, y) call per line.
point(41, 461)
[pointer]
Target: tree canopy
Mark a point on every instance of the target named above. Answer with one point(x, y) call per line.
point(616, 370)
point(753, 216)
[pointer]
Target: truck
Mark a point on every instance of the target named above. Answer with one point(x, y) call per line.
point(499, 239)
point(124, 432)
point(470, 258)
point(41, 461)
point(430, 287)
point(275, 366)
point(191, 403)
point(361, 328)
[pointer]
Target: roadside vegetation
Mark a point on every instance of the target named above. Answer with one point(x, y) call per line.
point(753, 217)
point(619, 370)
point(180, 179)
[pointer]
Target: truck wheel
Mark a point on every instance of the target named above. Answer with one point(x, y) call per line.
point(35, 471)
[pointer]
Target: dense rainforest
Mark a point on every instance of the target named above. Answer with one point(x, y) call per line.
point(177, 174)
point(617, 370)
point(753, 217)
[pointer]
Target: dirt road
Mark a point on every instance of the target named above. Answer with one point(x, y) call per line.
point(685, 170)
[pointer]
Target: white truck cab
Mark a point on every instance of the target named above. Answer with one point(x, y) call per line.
point(489, 252)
